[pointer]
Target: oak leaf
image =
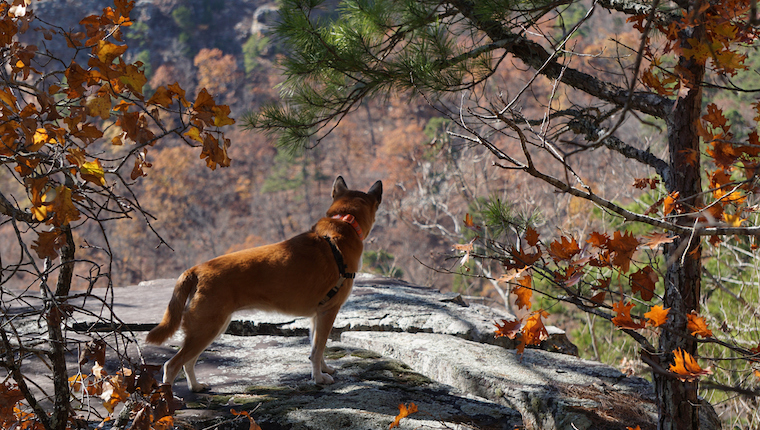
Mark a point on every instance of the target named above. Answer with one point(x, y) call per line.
point(533, 332)
point(161, 97)
point(41, 138)
point(63, 207)
point(686, 367)
point(643, 282)
point(669, 204)
point(107, 51)
point(622, 246)
point(657, 316)
point(404, 412)
point(642, 183)
point(134, 79)
point(564, 249)
point(509, 329)
point(653, 240)
point(715, 117)
point(599, 297)
point(531, 236)
point(599, 240)
point(524, 292)
point(697, 326)
point(100, 106)
point(10, 395)
point(623, 318)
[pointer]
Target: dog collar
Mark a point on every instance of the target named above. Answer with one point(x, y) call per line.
point(351, 220)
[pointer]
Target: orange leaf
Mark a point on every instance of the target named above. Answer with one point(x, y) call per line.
point(222, 116)
point(100, 106)
point(623, 318)
point(599, 240)
point(623, 246)
point(564, 249)
point(670, 202)
point(697, 326)
point(9, 396)
point(523, 292)
point(510, 329)
point(167, 423)
point(534, 331)
point(657, 316)
point(403, 413)
point(63, 207)
point(686, 366)
point(599, 297)
point(253, 425)
point(92, 171)
point(643, 282)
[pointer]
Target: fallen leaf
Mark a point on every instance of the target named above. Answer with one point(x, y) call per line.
point(404, 412)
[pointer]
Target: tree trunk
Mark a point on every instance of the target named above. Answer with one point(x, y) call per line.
point(55, 316)
point(678, 402)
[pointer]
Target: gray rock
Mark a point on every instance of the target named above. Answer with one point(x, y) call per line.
point(551, 391)
point(395, 344)
point(268, 375)
point(375, 304)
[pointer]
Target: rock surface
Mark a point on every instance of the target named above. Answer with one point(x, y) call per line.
point(394, 344)
point(375, 304)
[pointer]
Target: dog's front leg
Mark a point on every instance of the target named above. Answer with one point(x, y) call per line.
point(321, 325)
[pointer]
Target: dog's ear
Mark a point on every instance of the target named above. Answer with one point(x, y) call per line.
point(339, 187)
point(376, 191)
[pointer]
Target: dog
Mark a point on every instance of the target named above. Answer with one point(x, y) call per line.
point(307, 275)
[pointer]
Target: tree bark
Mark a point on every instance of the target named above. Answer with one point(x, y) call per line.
point(55, 314)
point(678, 401)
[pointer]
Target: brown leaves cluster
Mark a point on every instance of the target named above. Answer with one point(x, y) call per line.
point(60, 119)
point(576, 271)
point(725, 30)
point(152, 404)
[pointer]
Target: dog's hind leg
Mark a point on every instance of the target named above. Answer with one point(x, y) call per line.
point(197, 338)
point(321, 325)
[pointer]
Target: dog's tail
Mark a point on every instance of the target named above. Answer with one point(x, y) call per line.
point(185, 286)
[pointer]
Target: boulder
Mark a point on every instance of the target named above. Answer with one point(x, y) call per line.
point(393, 344)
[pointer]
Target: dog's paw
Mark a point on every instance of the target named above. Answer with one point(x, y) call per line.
point(323, 379)
point(198, 387)
point(327, 369)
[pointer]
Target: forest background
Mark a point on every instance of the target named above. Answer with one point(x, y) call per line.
point(432, 181)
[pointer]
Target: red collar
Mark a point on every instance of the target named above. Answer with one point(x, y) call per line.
point(351, 220)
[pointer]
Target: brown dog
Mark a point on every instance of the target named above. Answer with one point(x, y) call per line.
point(308, 275)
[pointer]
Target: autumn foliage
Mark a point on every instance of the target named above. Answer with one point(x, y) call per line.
point(78, 129)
